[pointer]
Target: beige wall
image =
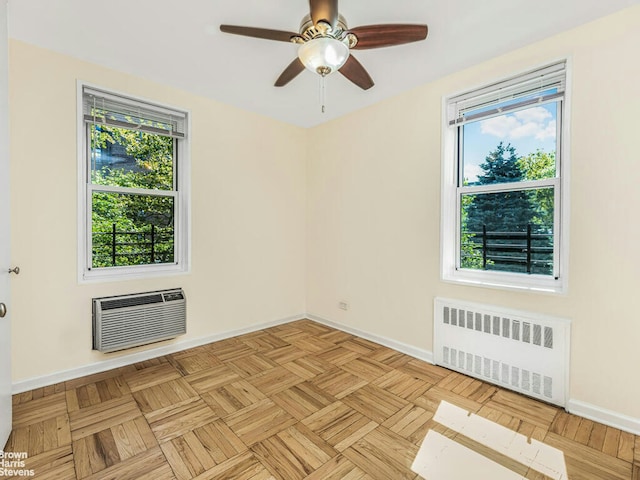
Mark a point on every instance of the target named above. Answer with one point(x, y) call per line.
point(360, 225)
point(374, 211)
point(248, 215)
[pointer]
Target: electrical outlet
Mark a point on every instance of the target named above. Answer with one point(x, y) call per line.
point(343, 306)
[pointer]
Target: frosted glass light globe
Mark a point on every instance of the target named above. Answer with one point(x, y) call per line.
point(323, 55)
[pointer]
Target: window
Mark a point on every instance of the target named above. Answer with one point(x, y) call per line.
point(134, 201)
point(503, 184)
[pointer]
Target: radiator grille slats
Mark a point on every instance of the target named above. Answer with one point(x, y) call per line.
point(548, 337)
point(525, 352)
point(139, 319)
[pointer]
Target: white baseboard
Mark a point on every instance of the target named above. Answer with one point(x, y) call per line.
point(63, 376)
point(604, 416)
point(93, 368)
point(410, 350)
point(576, 407)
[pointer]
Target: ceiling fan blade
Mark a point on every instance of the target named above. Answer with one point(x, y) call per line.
point(265, 33)
point(376, 36)
point(292, 71)
point(324, 10)
point(355, 72)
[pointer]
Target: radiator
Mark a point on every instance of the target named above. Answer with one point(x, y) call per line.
point(128, 321)
point(521, 351)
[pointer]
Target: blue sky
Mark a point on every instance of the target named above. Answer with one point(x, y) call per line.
point(527, 130)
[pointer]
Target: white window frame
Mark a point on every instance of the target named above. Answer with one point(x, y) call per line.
point(181, 194)
point(452, 193)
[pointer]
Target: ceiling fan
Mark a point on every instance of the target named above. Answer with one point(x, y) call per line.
point(325, 42)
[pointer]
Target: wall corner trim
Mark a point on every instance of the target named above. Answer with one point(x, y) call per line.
point(93, 368)
point(604, 416)
point(410, 350)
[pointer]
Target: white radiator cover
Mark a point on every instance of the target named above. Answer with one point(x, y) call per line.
point(522, 351)
point(128, 321)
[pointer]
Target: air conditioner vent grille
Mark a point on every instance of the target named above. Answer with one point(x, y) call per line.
point(135, 320)
point(131, 301)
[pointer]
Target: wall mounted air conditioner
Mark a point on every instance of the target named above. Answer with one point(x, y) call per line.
point(127, 321)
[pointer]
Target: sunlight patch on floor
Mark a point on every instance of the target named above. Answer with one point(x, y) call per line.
point(443, 458)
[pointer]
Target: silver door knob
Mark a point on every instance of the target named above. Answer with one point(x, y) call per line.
point(15, 270)
point(3, 310)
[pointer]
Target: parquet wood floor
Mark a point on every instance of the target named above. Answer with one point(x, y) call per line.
point(293, 402)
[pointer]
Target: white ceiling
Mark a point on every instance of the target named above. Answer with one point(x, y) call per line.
point(179, 43)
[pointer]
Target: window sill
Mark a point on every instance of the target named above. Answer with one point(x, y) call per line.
point(117, 274)
point(506, 281)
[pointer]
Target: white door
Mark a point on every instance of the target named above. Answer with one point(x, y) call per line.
point(5, 325)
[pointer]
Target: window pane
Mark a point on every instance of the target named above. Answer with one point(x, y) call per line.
point(514, 147)
point(131, 229)
point(128, 158)
point(508, 231)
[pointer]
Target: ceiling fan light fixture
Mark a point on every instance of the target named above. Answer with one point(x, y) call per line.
point(323, 55)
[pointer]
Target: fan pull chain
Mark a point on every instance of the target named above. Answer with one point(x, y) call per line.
point(323, 92)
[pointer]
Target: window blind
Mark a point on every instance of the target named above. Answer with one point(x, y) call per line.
point(538, 86)
point(108, 109)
